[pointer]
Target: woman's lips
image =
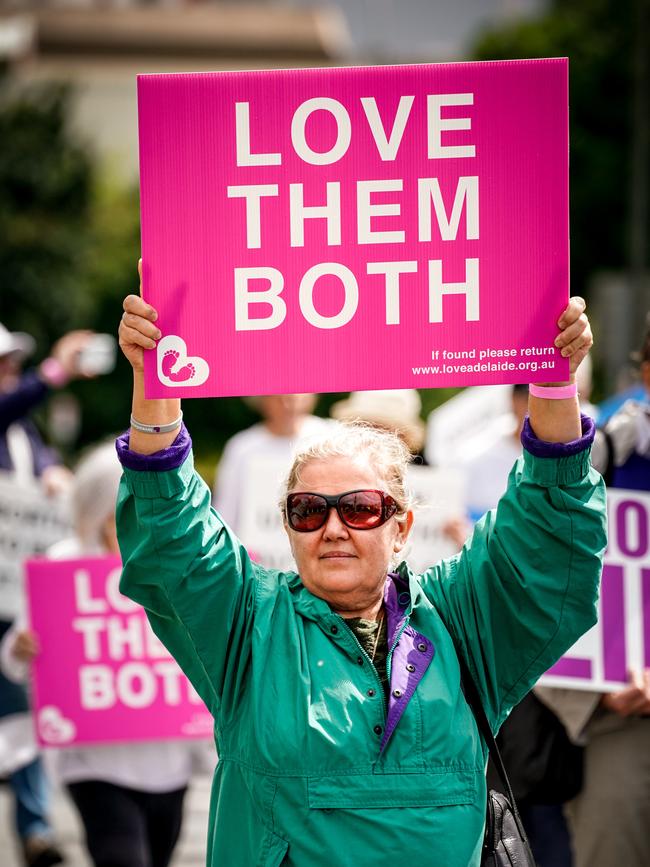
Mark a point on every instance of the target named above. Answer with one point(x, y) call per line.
point(337, 555)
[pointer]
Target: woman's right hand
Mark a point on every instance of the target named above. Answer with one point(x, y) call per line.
point(137, 331)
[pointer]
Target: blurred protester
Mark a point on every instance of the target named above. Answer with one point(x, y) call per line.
point(129, 795)
point(24, 457)
point(621, 450)
point(22, 451)
point(395, 410)
point(611, 815)
point(286, 419)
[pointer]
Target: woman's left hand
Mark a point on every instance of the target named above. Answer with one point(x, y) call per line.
point(575, 338)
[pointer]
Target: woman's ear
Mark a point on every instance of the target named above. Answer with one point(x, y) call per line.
point(404, 528)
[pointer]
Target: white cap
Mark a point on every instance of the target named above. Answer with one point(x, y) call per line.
point(394, 409)
point(15, 343)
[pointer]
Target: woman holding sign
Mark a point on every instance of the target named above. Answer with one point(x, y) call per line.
point(343, 734)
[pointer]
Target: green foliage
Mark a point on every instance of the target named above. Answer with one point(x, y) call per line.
point(68, 244)
point(45, 197)
point(598, 38)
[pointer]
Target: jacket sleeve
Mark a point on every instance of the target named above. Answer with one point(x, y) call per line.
point(20, 401)
point(187, 569)
point(525, 586)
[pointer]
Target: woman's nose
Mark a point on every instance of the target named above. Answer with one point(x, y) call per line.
point(334, 527)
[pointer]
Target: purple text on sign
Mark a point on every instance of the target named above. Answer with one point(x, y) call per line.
point(613, 623)
point(632, 528)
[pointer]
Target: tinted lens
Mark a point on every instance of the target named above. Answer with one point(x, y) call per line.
point(361, 509)
point(306, 511)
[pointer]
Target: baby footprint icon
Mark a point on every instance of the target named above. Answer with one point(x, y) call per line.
point(176, 367)
point(169, 360)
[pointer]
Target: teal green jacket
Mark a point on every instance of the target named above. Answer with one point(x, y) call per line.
point(315, 768)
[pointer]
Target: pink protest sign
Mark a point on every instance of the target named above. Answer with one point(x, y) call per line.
point(620, 642)
point(349, 229)
point(102, 675)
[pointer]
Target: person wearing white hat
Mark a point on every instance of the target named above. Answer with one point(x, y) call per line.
point(396, 410)
point(24, 457)
point(22, 451)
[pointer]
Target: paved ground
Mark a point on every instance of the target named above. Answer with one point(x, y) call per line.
point(189, 853)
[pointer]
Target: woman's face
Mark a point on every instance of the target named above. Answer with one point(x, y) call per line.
point(347, 568)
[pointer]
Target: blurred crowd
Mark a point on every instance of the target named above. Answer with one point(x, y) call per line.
point(577, 758)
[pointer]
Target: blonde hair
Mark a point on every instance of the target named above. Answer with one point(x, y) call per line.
point(384, 451)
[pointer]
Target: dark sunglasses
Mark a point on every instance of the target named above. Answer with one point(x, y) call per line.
point(358, 510)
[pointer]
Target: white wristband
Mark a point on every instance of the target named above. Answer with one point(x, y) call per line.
point(156, 428)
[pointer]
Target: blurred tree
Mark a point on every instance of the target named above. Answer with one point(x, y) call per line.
point(45, 194)
point(598, 36)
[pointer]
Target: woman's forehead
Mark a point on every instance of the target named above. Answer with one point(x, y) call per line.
point(337, 474)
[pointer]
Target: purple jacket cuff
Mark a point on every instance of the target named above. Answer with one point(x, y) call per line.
point(166, 459)
point(542, 449)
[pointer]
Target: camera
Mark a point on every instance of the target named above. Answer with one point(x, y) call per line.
point(98, 355)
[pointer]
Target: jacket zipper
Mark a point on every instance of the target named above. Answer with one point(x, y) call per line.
point(389, 658)
point(374, 670)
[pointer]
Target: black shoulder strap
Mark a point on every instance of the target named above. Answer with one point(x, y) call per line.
point(476, 706)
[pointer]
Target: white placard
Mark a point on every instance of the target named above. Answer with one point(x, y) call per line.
point(468, 424)
point(260, 519)
point(439, 496)
point(30, 522)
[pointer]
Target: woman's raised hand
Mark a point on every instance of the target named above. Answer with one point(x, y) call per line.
point(137, 330)
point(575, 338)
point(558, 420)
